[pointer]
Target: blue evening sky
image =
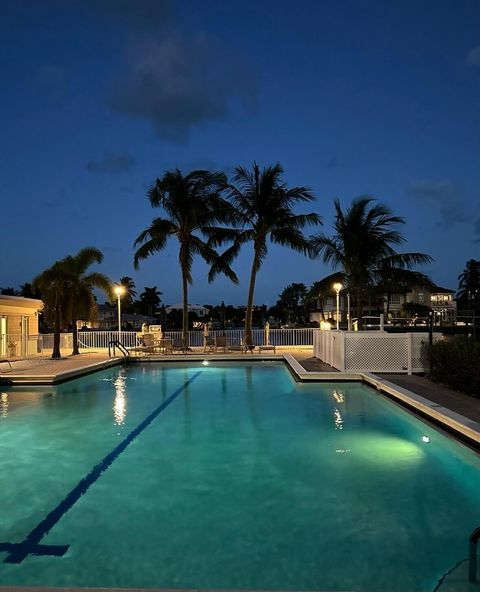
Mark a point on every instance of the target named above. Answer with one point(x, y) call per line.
point(98, 97)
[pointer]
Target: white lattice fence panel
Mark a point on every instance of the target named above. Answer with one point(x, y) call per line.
point(376, 353)
point(420, 342)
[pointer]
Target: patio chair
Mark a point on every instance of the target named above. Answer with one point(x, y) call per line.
point(208, 345)
point(269, 347)
point(147, 345)
point(248, 346)
point(237, 347)
point(221, 342)
point(179, 345)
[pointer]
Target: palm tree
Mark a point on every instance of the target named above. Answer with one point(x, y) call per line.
point(321, 290)
point(264, 212)
point(80, 298)
point(129, 294)
point(52, 283)
point(363, 246)
point(150, 300)
point(469, 286)
point(193, 205)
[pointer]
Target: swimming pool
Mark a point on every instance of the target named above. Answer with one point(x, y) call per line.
point(227, 476)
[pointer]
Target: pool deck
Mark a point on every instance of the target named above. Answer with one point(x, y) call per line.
point(454, 410)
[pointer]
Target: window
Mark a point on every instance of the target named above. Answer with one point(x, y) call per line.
point(394, 298)
point(421, 297)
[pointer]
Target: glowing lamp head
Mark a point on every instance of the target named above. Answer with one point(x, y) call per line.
point(119, 291)
point(337, 287)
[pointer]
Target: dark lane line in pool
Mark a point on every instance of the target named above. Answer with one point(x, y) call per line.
point(30, 546)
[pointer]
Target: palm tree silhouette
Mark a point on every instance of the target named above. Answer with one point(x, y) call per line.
point(193, 206)
point(264, 213)
point(363, 247)
point(81, 301)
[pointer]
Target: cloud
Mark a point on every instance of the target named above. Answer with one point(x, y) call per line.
point(473, 56)
point(111, 163)
point(177, 84)
point(446, 197)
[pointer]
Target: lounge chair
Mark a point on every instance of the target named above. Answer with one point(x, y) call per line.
point(147, 345)
point(237, 347)
point(249, 346)
point(266, 347)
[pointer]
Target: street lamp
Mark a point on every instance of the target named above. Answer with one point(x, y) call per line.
point(119, 291)
point(337, 287)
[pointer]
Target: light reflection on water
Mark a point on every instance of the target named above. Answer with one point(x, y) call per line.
point(3, 405)
point(120, 401)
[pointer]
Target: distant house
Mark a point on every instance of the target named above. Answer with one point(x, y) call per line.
point(440, 300)
point(201, 311)
point(107, 320)
point(18, 325)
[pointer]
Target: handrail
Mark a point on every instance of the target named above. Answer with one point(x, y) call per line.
point(115, 343)
point(472, 556)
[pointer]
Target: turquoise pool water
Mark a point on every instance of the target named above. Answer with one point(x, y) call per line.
point(242, 479)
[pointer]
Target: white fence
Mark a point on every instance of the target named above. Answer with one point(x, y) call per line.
point(278, 337)
point(365, 351)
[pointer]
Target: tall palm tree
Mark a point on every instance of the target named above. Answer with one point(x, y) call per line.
point(150, 300)
point(80, 298)
point(363, 244)
point(264, 213)
point(469, 286)
point(193, 205)
point(52, 283)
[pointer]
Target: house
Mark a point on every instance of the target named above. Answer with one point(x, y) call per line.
point(440, 300)
point(201, 311)
point(107, 320)
point(18, 326)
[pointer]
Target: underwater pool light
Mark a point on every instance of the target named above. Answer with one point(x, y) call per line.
point(205, 362)
point(425, 439)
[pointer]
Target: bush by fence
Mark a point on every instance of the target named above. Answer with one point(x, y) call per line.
point(456, 363)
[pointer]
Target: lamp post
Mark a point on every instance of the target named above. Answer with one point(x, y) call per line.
point(119, 291)
point(349, 318)
point(337, 287)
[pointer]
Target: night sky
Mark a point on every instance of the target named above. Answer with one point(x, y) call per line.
point(100, 97)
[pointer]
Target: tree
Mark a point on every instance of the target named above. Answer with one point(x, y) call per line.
point(27, 291)
point(264, 213)
point(363, 244)
point(150, 300)
point(321, 290)
point(8, 292)
point(193, 206)
point(129, 294)
point(52, 283)
point(81, 302)
point(291, 301)
point(469, 286)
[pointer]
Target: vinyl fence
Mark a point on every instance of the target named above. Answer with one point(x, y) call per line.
point(365, 351)
point(278, 337)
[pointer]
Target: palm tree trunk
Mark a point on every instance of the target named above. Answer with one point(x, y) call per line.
point(75, 351)
point(56, 330)
point(185, 308)
point(359, 309)
point(251, 291)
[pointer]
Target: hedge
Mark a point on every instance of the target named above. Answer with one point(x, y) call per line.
point(456, 363)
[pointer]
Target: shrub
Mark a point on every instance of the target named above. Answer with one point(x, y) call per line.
point(456, 363)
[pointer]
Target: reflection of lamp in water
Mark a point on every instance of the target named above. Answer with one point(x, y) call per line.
point(120, 402)
point(338, 396)
point(338, 419)
point(3, 405)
